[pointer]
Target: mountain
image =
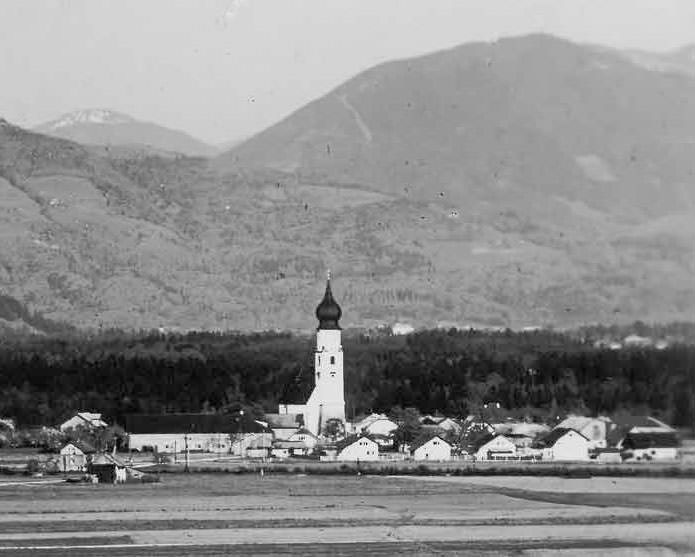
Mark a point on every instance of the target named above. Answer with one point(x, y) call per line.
point(120, 131)
point(546, 183)
point(507, 123)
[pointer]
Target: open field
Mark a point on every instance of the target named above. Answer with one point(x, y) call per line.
point(223, 514)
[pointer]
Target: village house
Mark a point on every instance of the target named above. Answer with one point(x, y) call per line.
point(475, 423)
point(357, 448)
point(385, 442)
point(75, 456)
point(212, 433)
point(431, 448)
point(622, 425)
point(594, 429)
point(306, 438)
point(286, 449)
point(647, 446)
point(108, 469)
point(563, 444)
point(86, 420)
point(497, 447)
point(440, 424)
point(375, 424)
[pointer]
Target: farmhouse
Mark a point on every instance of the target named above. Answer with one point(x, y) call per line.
point(327, 400)
point(496, 447)
point(75, 456)
point(213, 433)
point(375, 424)
point(431, 448)
point(662, 445)
point(358, 448)
point(594, 429)
point(564, 445)
point(623, 425)
point(306, 438)
point(87, 420)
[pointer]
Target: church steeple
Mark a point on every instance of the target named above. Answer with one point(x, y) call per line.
point(328, 312)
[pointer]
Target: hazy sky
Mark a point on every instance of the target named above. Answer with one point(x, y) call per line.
point(224, 69)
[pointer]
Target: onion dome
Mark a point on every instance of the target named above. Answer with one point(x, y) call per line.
point(328, 312)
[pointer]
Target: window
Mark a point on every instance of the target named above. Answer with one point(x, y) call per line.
point(332, 360)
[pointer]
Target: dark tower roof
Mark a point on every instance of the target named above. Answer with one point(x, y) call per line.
point(328, 312)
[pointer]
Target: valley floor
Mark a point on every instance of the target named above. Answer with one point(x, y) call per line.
point(226, 514)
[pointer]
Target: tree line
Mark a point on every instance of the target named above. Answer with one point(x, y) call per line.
point(539, 374)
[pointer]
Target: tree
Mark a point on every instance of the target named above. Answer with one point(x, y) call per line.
point(409, 427)
point(334, 429)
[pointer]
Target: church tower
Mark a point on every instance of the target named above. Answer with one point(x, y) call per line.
point(327, 401)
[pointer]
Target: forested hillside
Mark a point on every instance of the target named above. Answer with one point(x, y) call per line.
point(539, 374)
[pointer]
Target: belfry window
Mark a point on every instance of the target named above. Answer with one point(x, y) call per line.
point(332, 360)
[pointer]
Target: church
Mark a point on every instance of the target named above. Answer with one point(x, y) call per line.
point(327, 399)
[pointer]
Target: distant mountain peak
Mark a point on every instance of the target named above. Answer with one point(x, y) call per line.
point(89, 116)
point(101, 126)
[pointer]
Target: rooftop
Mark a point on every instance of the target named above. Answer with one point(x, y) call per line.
point(192, 423)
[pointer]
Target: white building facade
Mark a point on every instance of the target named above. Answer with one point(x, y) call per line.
point(566, 445)
point(362, 448)
point(434, 448)
point(499, 447)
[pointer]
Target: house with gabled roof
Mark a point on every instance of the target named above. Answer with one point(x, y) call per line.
point(86, 420)
point(306, 438)
point(441, 423)
point(624, 424)
point(430, 447)
point(594, 429)
point(564, 444)
point(107, 468)
point(357, 448)
point(650, 445)
point(494, 447)
point(375, 424)
point(75, 456)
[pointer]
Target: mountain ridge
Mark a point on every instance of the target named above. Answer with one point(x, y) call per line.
point(542, 214)
point(115, 129)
